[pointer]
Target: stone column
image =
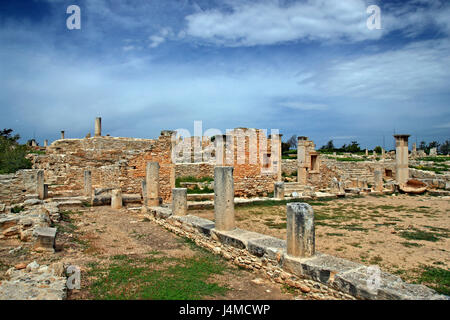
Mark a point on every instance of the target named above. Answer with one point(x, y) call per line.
point(40, 189)
point(116, 199)
point(152, 182)
point(98, 127)
point(46, 143)
point(144, 192)
point(301, 160)
point(433, 152)
point(62, 134)
point(179, 201)
point(378, 180)
point(224, 198)
point(401, 158)
point(278, 190)
point(367, 152)
point(383, 153)
point(278, 154)
point(300, 238)
point(88, 183)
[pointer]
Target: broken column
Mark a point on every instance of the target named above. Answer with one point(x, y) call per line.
point(383, 153)
point(224, 198)
point(378, 180)
point(144, 192)
point(300, 238)
point(179, 201)
point(62, 134)
point(277, 154)
point(152, 183)
point(45, 239)
point(116, 199)
point(88, 183)
point(301, 160)
point(433, 152)
point(401, 158)
point(46, 143)
point(40, 188)
point(414, 150)
point(367, 152)
point(278, 191)
point(98, 127)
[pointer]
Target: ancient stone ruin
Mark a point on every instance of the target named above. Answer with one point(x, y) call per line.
point(245, 166)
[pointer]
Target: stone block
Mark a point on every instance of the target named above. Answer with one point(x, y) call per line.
point(267, 246)
point(320, 267)
point(237, 238)
point(45, 238)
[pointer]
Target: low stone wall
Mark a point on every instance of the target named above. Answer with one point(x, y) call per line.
point(433, 180)
point(196, 170)
point(114, 163)
point(14, 187)
point(322, 276)
point(289, 166)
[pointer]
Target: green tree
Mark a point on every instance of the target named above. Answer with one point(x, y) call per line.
point(292, 142)
point(328, 147)
point(12, 154)
point(445, 147)
point(378, 149)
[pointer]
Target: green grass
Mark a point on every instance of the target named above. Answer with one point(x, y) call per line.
point(436, 278)
point(192, 179)
point(434, 159)
point(197, 190)
point(411, 244)
point(17, 209)
point(157, 278)
point(420, 235)
point(273, 225)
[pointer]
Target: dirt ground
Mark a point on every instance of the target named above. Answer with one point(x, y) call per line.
point(385, 230)
point(96, 235)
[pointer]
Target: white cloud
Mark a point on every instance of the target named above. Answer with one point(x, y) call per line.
point(415, 70)
point(268, 22)
point(161, 37)
point(305, 106)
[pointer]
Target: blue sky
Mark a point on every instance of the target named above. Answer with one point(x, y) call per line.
point(304, 67)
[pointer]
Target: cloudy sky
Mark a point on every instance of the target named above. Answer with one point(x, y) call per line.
point(308, 67)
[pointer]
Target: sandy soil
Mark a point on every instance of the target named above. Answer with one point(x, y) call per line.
point(102, 233)
point(368, 230)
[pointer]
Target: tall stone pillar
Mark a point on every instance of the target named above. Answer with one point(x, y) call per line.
point(179, 201)
point(88, 183)
point(144, 192)
point(98, 127)
point(278, 190)
point(383, 153)
point(401, 158)
point(40, 189)
point(224, 198)
point(367, 152)
point(46, 143)
point(116, 199)
point(152, 182)
point(301, 160)
point(62, 134)
point(300, 238)
point(277, 156)
point(378, 180)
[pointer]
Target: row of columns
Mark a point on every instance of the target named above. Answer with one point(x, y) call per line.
point(300, 216)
